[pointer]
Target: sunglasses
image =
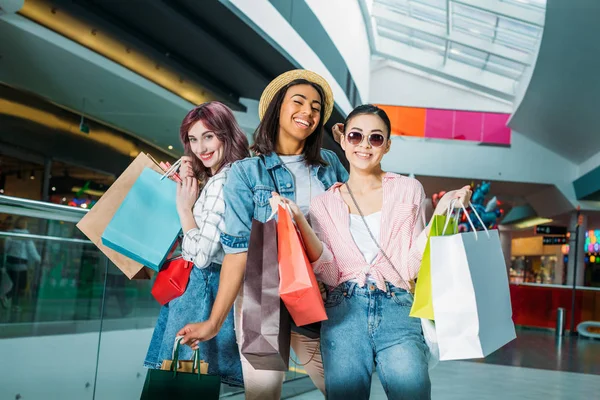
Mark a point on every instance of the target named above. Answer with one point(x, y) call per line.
point(356, 138)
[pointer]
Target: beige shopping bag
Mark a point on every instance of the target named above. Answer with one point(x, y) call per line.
point(186, 366)
point(96, 220)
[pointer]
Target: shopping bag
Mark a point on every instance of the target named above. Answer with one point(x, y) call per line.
point(172, 280)
point(471, 298)
point(6, 283)
point(265, 320)
point(188, 380)
point(298, 287)
point(423, 306)
point(95, 221)
point(146, 225)
point(430, 336)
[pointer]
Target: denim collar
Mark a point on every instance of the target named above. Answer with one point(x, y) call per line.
point(272, 160)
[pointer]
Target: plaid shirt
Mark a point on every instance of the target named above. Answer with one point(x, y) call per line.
point(202, 244)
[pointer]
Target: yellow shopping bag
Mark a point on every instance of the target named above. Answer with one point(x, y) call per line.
point(423, 305)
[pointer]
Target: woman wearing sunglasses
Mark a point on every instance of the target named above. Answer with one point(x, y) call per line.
point(292, 110)
point(368, 240)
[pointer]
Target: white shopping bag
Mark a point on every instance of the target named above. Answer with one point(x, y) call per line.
point(471, 298)
point(430, 336)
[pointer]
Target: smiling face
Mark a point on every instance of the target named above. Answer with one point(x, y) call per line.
point(206, 146)
point(362, 135)
point(300, 112)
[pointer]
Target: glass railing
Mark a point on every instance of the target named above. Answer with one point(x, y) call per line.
point(72, 326)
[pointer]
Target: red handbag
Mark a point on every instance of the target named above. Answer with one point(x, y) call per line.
point(172, 280)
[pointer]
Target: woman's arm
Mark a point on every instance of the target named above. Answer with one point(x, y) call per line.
point(315, 238)
point(312, 243)
point(239, 210)
point(421, 232)
point(201, 241)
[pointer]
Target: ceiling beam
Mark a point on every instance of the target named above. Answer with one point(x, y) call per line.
point(390, 18)
point(511, 11)
point(448, 29)
point(471, 77)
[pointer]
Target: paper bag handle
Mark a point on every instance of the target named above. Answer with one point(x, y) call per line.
point(175, 357)
point(451, 207)
point(172, 170)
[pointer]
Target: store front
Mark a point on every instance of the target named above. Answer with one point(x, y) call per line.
point(539, 279)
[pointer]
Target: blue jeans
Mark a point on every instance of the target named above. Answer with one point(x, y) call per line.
point(367, 326)
point(195, 305)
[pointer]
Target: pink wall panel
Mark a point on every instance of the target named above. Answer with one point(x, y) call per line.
point(495, 129)
point(439, 124)
point(468, 126)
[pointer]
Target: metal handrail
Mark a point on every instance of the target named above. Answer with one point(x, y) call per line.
point(40, 209)
point(40, 237)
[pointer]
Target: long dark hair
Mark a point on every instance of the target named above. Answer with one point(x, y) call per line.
point(370, 109)
point(218, 118)
point(265, 136)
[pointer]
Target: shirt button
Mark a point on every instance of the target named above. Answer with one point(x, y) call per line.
point(289, 185)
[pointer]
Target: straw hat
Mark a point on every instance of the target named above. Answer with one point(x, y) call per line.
point(287, 77)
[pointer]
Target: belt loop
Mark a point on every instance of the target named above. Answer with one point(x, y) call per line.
point(350, 288)
point(388, 289)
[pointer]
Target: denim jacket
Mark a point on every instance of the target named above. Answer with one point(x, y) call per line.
point(248, 190)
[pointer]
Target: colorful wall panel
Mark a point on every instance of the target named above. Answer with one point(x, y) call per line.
point(482, 127)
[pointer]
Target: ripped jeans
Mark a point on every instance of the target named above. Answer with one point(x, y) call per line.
point(365, 326)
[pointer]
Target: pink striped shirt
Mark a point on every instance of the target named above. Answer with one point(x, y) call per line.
point(402, 236)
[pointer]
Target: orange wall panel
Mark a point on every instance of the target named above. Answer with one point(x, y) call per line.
point(406, 121)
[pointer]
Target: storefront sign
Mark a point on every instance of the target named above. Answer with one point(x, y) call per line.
point(551, 230)
point(554, 240)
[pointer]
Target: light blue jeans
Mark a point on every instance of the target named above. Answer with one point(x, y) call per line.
point(195, 305)
point(367, 326)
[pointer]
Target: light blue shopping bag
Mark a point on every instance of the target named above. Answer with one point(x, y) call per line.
point(146, 225)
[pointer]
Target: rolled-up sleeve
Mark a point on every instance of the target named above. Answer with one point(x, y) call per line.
point(202, 244)
point(239, 210)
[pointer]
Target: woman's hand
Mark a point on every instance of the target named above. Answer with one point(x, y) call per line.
point(187, 194)
point(461, 196)
point(185, 169)
point(337, 131)
point(198, 332)
point(276, 199)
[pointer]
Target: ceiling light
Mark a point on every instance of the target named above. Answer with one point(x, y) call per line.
point(53, 189)
point(454, 51)
point(170, 147)
point(522, 217)
point(1, 190)
point(32, 176)
point(528, 223)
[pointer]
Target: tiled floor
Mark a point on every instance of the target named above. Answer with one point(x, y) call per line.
point(536, 366)
point(542, 350)
point(462, 380)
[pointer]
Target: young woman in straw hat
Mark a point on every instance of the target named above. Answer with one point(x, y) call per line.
point(366, 241)
point(293, 109)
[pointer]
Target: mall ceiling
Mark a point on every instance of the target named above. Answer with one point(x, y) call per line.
point(205, 44)
point(560, 107)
